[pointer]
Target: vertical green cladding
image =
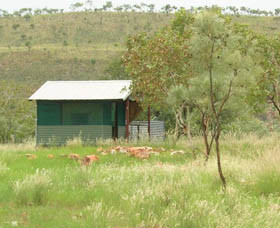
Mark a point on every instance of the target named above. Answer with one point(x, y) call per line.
point(121, 114)
point(79, 113)
point(92, 113)
point(107, 113)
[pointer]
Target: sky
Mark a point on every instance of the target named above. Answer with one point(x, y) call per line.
point(12, 5)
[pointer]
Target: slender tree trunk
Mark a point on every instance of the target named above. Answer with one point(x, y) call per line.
point(189, 124)
point(177, 135)
point(205, 137)
point(217, 139)
point(217, 118)
point(207, 152)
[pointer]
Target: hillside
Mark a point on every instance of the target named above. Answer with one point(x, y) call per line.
point(79, 45)
point(69, 46)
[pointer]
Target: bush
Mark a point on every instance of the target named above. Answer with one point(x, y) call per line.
point(33, 190)
point(248, 125)
point(93, 61)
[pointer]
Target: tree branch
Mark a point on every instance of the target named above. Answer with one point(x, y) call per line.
point(211, 81)
point(274, 104)
point(226, 98)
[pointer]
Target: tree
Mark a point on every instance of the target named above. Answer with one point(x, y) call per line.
point(158, 62)
point(119, 9)
point(151, 8)
point(223, 66)
point(4, 13)
point(126, 7)
point(15, 26)
point(167, 9)
point(76, 6)
point(28, 44)
point(116, 70)
point(144, 7)
point(27, 17)
point(243, 9)
point(204, 64)
point(137, 7)
point(234, 10)
point(181, 108)
point(17, 114)
point(107, 6)
point(277, 12)
point(37, 12)
point(268, 89)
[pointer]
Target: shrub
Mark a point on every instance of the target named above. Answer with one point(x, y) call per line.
point(92, 61)
point(28, 44)
point(23, 36)
point(15, 26)
point(33, 189)
point(248, 125)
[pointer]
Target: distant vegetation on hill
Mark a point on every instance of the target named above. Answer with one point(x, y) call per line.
point(49, 44)
point(37, 45)
point(68, 46)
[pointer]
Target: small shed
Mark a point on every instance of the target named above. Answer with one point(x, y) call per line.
point(85, 109)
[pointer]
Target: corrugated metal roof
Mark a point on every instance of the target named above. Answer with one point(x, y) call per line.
point(83, 90)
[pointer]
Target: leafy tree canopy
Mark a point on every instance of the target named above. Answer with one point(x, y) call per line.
point(268, 88)
point(158, 62)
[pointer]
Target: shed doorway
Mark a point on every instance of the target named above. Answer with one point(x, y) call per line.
point(115, 124)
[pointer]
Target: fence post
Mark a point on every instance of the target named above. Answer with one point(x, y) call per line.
point(149, 122)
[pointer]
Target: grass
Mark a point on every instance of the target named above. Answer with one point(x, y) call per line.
point(122, 191)
point(33, 189)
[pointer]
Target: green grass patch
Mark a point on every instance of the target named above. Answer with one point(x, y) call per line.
point(266, 183)
point(122, 191)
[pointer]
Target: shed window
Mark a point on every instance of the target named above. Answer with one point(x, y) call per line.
point(49, 113)
point(79, 118)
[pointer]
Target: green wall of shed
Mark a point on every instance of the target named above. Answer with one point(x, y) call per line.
point(79, 113)
point(60, 121)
